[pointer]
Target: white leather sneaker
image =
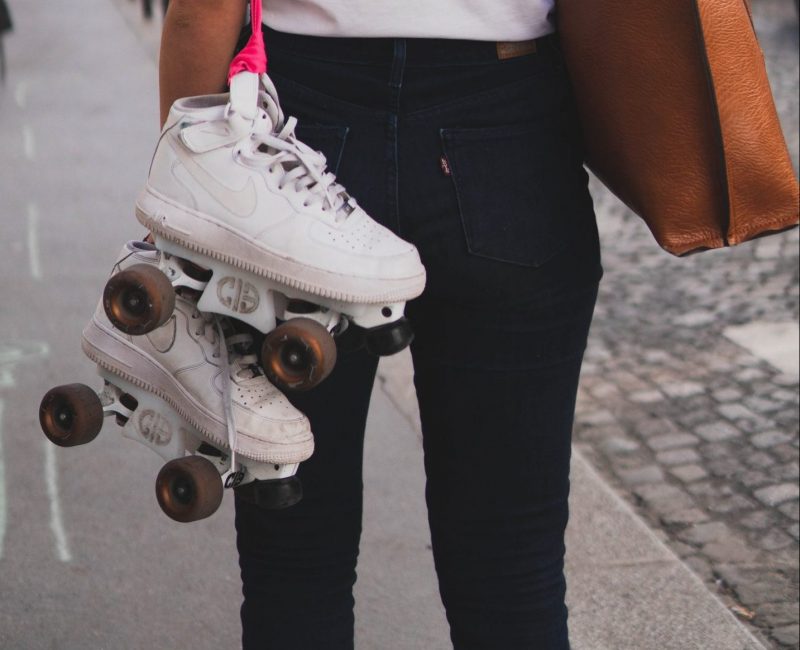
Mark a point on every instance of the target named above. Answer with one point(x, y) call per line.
point(237, 185)
point(183, 362)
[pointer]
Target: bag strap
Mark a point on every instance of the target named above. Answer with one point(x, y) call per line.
point(253, 57)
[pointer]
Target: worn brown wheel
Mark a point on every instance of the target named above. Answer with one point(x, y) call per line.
point(189, 489)
point(71, 415)
point(138, 299)
point(298, 354)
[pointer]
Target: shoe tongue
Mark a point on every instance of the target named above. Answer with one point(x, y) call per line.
point(204, 108)
point(272, 108)
point(241, 358)
point(240, 372)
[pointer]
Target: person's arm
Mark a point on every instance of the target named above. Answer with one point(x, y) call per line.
point(197, 45)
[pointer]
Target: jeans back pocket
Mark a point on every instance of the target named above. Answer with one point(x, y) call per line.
point(516, 187)
point(326, 138)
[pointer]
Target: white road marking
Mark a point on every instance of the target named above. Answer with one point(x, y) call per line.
point(2, 486)
point(10, 356)
point(56, 522)
point(21, 94)
point(6, 378)
point(33, 241)
point(18, 351)
point(28, 142)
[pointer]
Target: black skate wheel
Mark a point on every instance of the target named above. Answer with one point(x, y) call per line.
point(71, 415)
point(389, 339)
point(272, 495)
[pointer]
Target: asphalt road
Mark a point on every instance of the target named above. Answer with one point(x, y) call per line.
point(87, 559)
point(80, 531)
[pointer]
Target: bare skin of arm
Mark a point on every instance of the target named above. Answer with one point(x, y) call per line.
point(197, 45)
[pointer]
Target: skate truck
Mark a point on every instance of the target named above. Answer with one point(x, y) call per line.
point(188, 486)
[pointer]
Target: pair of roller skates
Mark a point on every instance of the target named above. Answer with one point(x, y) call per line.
point(250, 235)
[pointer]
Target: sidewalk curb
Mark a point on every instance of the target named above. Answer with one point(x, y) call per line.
point(627, 590)
point(636, 523)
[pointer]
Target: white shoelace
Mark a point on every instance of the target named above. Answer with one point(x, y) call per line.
point(232, 363)
point(299, 165)
point(227, 402)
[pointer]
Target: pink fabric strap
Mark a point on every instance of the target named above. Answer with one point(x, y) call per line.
point(253, 58)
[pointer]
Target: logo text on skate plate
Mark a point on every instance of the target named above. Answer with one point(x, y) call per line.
point(239, 296)
point(234, 479)
point(154, 427)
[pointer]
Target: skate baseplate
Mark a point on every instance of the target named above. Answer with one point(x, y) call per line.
point(299, 349)
point(259, 301)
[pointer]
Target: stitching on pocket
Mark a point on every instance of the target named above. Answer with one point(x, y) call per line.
point(318, 100)
point(329, 133)
point(515, 186)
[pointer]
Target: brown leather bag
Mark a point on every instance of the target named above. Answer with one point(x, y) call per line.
point(678, 117)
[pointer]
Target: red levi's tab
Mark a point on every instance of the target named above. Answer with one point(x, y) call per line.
point(253, 58)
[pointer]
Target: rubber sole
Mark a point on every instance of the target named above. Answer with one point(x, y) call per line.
point(207, 236)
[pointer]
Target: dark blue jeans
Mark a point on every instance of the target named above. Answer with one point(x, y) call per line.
point(478, 163)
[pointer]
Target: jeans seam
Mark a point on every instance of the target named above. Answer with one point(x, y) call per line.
point(395, 87)
point(363, 113)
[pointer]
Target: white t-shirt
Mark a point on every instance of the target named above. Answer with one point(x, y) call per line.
point(481, 20)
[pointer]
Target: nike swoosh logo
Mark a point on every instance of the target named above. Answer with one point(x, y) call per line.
point(241, 202)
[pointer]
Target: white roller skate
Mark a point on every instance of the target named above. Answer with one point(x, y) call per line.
point(249, 215)
point(192, 396)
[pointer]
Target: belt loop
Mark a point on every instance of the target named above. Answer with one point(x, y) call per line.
point(398, 62)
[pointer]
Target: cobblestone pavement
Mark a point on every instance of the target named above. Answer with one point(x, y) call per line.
point(698, 433)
